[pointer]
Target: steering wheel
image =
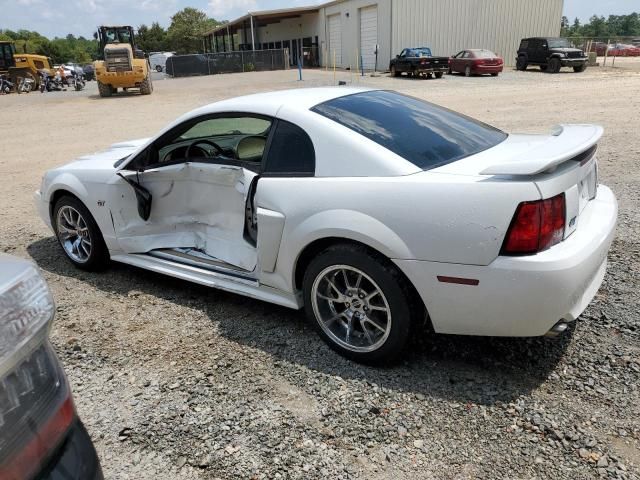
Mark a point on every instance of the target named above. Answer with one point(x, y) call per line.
point(211, 143)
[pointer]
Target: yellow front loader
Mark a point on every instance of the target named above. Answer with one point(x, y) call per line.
point(123, 66)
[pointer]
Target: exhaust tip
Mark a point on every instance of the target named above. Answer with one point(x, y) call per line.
point(557, 329)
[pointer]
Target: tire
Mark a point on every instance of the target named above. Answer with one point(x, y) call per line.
point(439, 74)
point(581, 68)
point(147, 86)
point(543, 68)
point(494, 74)
point(450, 72)
point(105, 90)
point(159, 68)
point(70, 215)
point(394, 72)
point(554, 65)
point(521, 64)
point(388, 313)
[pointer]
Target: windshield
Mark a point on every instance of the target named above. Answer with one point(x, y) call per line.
point(425, 134)
point(559, 43)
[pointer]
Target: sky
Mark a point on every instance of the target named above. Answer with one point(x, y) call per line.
point(81, 17)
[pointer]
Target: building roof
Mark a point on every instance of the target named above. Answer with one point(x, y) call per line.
point(265, 17)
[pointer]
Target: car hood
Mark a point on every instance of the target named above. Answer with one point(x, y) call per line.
point(565, 50)
point(106, 159)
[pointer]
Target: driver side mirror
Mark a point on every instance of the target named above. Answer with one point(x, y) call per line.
point(397, 56)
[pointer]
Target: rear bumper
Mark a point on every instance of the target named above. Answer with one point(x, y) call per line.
point(76, 459)
point(480, 69)
point(521, 296)
point(432, 68)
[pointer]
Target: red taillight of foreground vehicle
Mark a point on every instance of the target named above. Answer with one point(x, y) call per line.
point(536, 226)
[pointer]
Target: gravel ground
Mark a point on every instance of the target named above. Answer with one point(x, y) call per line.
point(177, 381)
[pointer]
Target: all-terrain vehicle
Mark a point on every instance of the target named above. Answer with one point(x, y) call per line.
point(123, 65)
point(550, 54)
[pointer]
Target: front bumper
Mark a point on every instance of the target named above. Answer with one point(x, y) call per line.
point(42, 207)
point(521, 296)
point(76, 459)
point(573, 62)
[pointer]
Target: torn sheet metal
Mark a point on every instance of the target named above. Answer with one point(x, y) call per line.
point(194, 206)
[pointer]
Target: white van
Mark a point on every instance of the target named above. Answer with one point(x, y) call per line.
point(158, 61)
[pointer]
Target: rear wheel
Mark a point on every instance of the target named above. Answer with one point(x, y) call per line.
point(495, 74)
point(521, 63)
point(79, 234)
point(105, 90)
point(580, 68)
point(554, 65)
point(159, 68)
point(359, 303)
point(147, 86)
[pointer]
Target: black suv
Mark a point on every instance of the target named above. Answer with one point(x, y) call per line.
point(550, 54)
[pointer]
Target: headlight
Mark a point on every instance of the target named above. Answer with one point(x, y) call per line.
point(36, 409)
point(26, 310)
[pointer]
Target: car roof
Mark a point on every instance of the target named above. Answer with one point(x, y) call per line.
point(269, 103)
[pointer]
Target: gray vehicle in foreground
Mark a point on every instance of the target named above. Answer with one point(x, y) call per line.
point(41, 435)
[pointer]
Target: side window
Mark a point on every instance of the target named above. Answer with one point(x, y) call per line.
point(403, 53)
point(466, 55)
point(524, 44)
point(231, 139)
point(291, 152)
point(39, 64)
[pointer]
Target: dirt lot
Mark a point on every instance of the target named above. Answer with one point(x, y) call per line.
point(175, 380)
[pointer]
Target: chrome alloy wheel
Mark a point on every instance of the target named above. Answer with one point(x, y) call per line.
point(73, 233)
point(351, 308)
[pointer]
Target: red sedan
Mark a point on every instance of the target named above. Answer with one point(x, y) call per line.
point(476, 62)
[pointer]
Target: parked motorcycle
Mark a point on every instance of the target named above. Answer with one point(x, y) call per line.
point(25, 85)
point(5, 85)
point(76, 81)
point(49, 83)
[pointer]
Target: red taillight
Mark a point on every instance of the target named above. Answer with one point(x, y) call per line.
point(536, 226)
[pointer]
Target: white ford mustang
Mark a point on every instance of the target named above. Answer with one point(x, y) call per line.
point(370, 209)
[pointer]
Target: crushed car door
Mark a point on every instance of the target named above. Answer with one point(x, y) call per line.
point(198, 181)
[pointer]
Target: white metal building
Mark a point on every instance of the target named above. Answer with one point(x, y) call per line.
point(348, 31)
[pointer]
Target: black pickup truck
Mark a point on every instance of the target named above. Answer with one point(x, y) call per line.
point(417, 62)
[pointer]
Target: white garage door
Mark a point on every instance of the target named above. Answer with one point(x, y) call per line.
point(368, 36)
point(335, 39)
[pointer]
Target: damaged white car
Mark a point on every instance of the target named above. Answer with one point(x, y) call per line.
point(372, 210)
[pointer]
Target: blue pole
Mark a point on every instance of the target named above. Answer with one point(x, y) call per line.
point(299, 70)
point(362, 66)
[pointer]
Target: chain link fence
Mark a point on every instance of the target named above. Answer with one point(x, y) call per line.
point(227, 62)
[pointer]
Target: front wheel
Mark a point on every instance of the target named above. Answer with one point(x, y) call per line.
point(359, 303)
point(79, 234)
point(105, 90)
point(554, 65)
point(394, 71)
point(159, 68)
point(580, 69)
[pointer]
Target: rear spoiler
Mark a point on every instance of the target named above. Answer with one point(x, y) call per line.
point(567, 142)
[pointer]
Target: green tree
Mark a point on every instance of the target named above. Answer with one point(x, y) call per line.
point(152, 39)
point(187, 27)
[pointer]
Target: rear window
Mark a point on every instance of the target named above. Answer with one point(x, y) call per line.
point(484, 54)
point(425, 134)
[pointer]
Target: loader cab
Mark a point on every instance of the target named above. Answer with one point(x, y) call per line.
point(114, 35)
point(7, 52)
